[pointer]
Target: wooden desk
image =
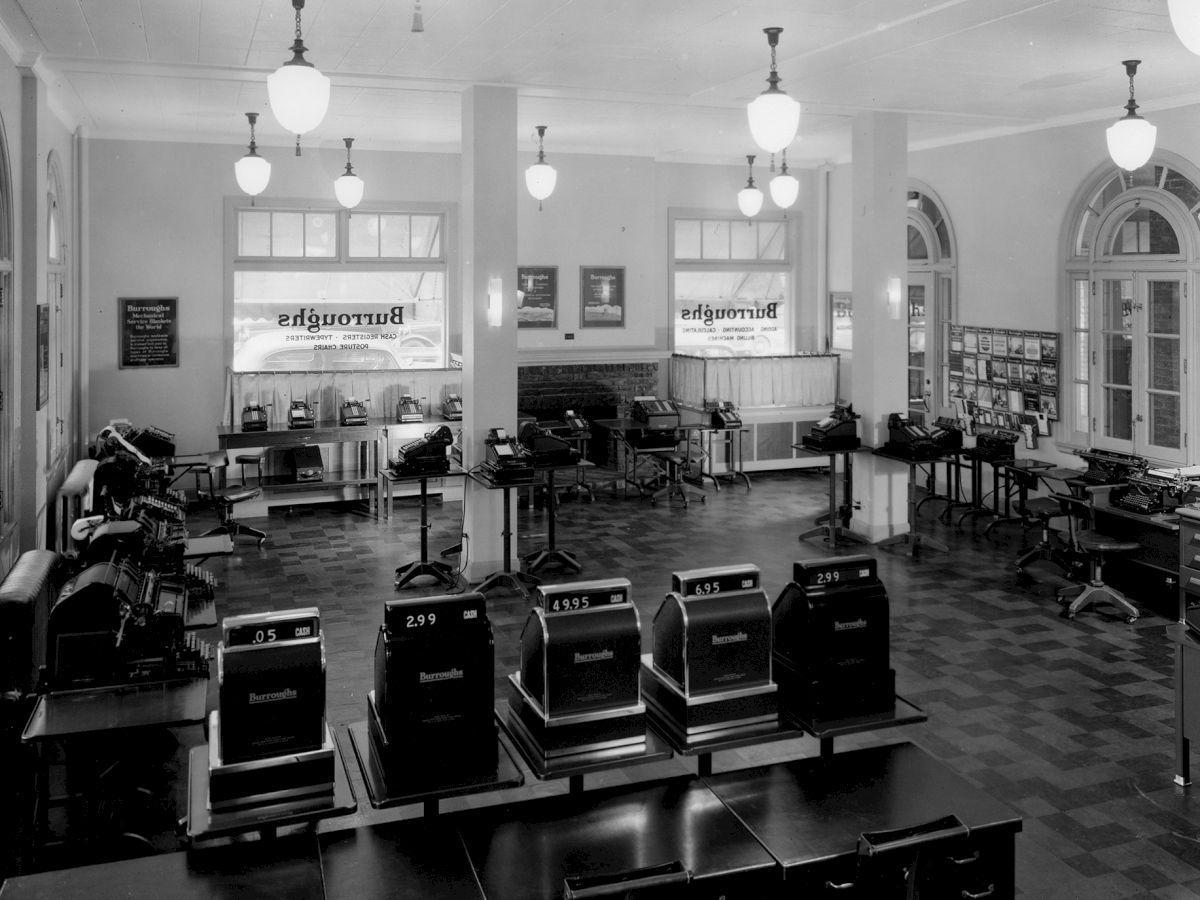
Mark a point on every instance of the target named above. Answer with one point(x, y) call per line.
point(809, 813)
point(285, 869)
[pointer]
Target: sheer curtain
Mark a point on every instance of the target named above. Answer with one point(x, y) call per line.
point(806, 380)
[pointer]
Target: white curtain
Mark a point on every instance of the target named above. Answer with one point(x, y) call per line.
point(806, 380)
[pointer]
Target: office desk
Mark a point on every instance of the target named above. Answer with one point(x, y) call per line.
point(809, 813)
point(912, 541)
point(835, 525)
point(284, 869)
point(1150, 574)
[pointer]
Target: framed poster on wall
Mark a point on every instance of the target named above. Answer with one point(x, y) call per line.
point(537, 297)
point(148, 332)
point(601, 296)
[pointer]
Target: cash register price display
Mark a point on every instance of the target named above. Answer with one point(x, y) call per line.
point(577, 595)
point(709, 672)
point(268, 738)
point(577, 687)
point(431, 712)
point(837, 431)
point(715, 580)
point(832, 641)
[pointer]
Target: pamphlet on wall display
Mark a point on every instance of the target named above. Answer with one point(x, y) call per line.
point(602, 296)
point(537, 297)
point(1010, 372)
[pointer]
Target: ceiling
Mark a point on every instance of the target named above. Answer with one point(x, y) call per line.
point(667, 79)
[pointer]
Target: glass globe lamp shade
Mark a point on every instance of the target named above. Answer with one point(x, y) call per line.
point(299, 96)
point(750, 201)
point(540, 179)
point(774, 119)
point(784, 190)
point(349, 190)
point(1185, 19)
point(1131, 142)
point(252, 172)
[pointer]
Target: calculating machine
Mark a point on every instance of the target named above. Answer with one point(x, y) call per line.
point(546, 448)
point(452, 408)
point(353, 412)
point(996, 445)
point(431, 712)
point(254, 418)
point(300, 415)
point(657, 421)
point(507, 461)
point(269, 742)
point(831, 642)
point(709, 673)
point(837, 431)
point(909, 440)
point(427, 455)
point(725, 415)
point(577, 687)
point(408, 409)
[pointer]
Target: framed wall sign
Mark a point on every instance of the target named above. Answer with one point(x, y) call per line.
point(602, 296)
point(148, 332)
point(537, 297)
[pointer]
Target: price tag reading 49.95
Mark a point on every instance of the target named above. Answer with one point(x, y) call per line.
point(583, 595)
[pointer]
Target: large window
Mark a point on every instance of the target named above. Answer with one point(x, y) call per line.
point(731, 286)
point(325, 290)
point(931, 272)
point(1133, 254)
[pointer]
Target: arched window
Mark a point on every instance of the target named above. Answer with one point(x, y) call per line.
point(931, 296)
point(1134, 249)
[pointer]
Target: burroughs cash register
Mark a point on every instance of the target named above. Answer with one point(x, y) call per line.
point(910, 440)
point(353, 412)
point(725, 415)
point(300, 415)
point(452, 409)
point(408, 409)
point(427, 455)
point(254, 418)
point(507, 462)
point(837, 431)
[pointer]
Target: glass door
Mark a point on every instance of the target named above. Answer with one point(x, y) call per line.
point(920, 339)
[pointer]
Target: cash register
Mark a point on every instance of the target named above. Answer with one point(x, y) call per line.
point(353, 412)
point(427, 455)
point(507, 461)
point(431, 712)
point(269, 742)
point(300, 415)
point(254, 418)
point(452, 408)
point(576, 690)
point(709, 673)
point(909, 440)
point(831, 642)
point(408, 409)
point(837, 431)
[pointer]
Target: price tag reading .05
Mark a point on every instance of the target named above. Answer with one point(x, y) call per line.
point(270, 632)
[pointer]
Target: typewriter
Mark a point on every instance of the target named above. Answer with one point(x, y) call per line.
point(947, 434)
point(300, 415)
point(507, 462)
point(353, 412)
point(1147, 494)
point(546, 448)
point(909, 440)
point(1110, 466)
point(254, 418)
point(996, 445)
point(658, 415)
point(836, 431)
point(725, 415)
point(428, 455)
point(452, 409)
point(152, 441)
point(577, 425)
point(409, 409)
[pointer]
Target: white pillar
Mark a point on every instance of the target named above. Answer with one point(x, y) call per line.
point(879, 376)
point(489, 251)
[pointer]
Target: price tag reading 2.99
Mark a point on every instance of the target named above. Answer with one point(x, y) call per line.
point(420, 620)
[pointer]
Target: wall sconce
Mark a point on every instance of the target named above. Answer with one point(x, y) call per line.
point(893, 297)
point(252, 171)
point(774, 116)
point(348, 187)
point(297, 91)
point(1131, 138)
point(540, 178)
point(495, 307)
point(750, 198)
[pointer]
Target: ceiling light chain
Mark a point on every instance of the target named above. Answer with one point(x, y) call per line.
point(1131, 138)
point(540, 178)
point(750, 198)
point(297, 91)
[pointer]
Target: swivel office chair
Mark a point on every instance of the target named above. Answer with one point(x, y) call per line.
point(1094, 590)
point(223, 501)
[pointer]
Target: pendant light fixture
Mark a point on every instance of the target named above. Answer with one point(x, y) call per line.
point(1131, 138)
point(348, 187)
point(540, 178)
point(252, 171)
point(784, 187)
point(774, 116)
point(418, 22)
point(750, 198)
point(298, 92)
point(1185, 19)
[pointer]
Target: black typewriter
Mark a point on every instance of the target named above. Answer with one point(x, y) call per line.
point(947, 434)
point(996, 445)
point(910, 440)
point(1148, 494)
point(507, 462)
point(427, 455)
point(545, 448)
point(1110, 466)
point(837, 431)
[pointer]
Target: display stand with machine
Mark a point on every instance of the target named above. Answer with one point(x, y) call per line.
point(430, 729)
point(708, 677)
point(574, 704)
point(836, 435)
point(831, 651)
point(271, 758)
point(421, 459)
